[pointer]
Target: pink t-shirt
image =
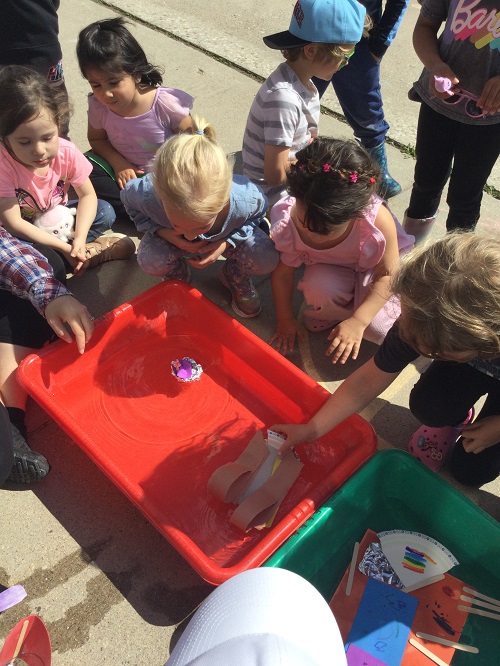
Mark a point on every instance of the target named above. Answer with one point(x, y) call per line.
point(37, 194)
point(138, 138)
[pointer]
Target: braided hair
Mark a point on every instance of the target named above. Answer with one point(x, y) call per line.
point(334, 180)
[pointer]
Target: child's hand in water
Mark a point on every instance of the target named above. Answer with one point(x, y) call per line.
point(346, 340)
point(285, 333)
point(295, 434)
point(216, 249)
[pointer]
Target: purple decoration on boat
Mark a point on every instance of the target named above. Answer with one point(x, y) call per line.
point(186, 369)
point(11, 596)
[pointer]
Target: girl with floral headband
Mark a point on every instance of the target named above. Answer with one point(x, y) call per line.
point(334, 222)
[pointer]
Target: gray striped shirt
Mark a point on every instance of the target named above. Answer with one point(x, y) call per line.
point(284, 113)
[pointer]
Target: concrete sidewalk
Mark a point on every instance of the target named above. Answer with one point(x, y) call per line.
point(110, 589)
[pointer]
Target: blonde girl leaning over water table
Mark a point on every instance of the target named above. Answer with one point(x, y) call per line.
point(334, 222)
point(193, 210)
point(450, 312)
point(130, 113)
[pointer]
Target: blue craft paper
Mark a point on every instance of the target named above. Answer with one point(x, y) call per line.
point(382, 623)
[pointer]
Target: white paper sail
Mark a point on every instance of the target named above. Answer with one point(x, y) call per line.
point(415, 556)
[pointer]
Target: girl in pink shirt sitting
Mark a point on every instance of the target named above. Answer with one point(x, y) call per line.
point(334, 222)
point(130, 114)
point(37, 169)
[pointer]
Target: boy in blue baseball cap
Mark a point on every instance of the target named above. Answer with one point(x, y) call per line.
point(284, 115)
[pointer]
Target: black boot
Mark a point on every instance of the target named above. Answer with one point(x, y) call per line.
point(28, 466)
point(388, 187)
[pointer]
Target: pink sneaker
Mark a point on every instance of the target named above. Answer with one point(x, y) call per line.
point(432, 446)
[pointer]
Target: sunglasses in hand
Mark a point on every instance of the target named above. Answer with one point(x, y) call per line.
point(443, 84)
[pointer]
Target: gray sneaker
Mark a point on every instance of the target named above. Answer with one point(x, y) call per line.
point(245, 300)
point(28, 466)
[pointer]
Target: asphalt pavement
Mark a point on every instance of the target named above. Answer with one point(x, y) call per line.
point(110, 589)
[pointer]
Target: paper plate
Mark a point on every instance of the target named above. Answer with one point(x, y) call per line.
point(415, 556)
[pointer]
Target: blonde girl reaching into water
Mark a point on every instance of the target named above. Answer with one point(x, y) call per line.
point(450, 313)
point(130, 113)
point(37, 169)
point(334, 222)
point(193, 210)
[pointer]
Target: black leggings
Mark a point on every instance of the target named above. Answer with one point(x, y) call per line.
point(441, 143)
point(443, 396)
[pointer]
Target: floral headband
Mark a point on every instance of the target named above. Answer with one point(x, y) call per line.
point(344, 174)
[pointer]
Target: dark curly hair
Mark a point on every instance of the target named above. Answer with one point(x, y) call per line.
point(334, 180)
point(110, 47)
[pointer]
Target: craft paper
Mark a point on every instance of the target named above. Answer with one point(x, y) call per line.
point(436, 614)
point(358, 657)
point(415, 556)
point(383, 621)
point(264, 473)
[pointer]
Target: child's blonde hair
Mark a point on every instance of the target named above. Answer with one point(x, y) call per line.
point(450, 295)
point(192, 173)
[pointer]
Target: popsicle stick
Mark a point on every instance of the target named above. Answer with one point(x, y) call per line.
point(20, 640)
point(423, 583)
point(433, 657)
point(445, 641)
point(478, 611)
point(352, 569)
point(478, 602)
point(479, 595)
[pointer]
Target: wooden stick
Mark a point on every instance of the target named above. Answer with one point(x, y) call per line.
point(479, 595)
point(352, 569)
point(423, 583)
point(433, 657)
point(20, 640)
point(445, 641)
point(477, 611)
point(478, 602)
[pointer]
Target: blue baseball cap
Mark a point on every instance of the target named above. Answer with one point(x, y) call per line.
point(323, 21)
